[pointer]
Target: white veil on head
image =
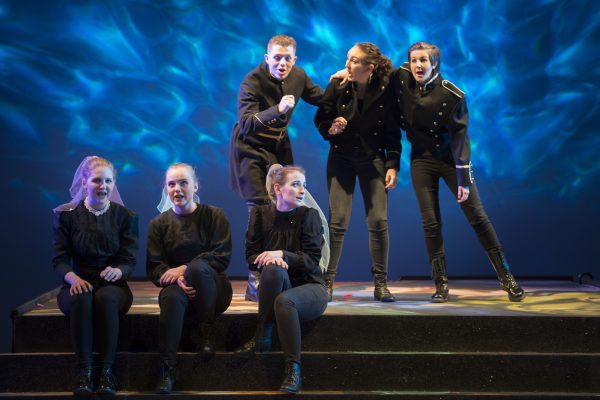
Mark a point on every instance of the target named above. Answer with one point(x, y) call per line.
point(310, 202)
point(78, 193)
point(166, 203)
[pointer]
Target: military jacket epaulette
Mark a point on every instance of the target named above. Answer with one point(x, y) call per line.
point(452, 88)
point(435, 119)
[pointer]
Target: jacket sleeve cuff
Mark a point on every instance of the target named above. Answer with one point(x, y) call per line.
point(126, 271)
point(63, 269)
point(271, 117)
point(464, 175)
point(393, 160)
point(291, 258)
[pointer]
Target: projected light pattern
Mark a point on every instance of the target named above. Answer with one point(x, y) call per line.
point(160, 78)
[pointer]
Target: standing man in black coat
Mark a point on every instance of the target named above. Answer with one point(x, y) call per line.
point(266, 100)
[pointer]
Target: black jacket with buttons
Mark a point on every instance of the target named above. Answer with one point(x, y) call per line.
point(373, 127)
point(435, 118)
point(259, 96)
point(259, 138)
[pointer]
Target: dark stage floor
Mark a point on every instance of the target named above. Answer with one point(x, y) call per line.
point(467, 297)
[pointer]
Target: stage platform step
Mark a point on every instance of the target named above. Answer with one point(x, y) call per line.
point(317, 395)
point(139, 333)
point(479, 345)
point(556, 316)
point(350, 371)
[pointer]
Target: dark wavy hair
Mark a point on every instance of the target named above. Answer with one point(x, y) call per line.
point(373, 55)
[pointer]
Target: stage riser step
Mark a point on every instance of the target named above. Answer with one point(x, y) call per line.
point(139, 333)
point(314, 395)
point(326, 371)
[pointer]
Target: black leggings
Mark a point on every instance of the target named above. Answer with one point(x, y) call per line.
point(95, 314)
point(426, 173)
point(213, 296)
point(342, 173)
point(279, 302)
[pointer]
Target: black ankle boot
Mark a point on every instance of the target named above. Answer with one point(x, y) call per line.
point(260, 343)
point(440, 278)
point(108, 382)
point(381, 292)
point(84, 386)
point(166, 378)
point(329, 287)
point(206, 346)
point(507, 280)
point(293, 378)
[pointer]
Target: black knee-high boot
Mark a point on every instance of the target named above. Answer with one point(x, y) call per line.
point(440, 278)
point(507, 280)
point(378, 247)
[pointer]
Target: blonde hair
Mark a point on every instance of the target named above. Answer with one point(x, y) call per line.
point(281, 40)
point(278, 175)
point(183, 165)
point(94, 162)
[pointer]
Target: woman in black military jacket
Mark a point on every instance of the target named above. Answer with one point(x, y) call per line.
point(356, 117)
point(433, 112)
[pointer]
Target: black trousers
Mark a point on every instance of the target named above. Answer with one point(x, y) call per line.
point(342, 171)
point(279, 302)
point(426, 173)
point(213, 296)
point(94, 317)
point(251, 158)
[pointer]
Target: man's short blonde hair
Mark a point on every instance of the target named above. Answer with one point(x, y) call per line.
point(281, 40)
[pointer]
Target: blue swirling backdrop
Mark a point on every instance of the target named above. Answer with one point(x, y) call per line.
point(147, 83)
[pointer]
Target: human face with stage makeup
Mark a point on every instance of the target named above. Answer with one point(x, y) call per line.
point(181, 184)
point(359, 70)
point(290, 194)
point(421, 66)
point(281, 60)
point(98, 186)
